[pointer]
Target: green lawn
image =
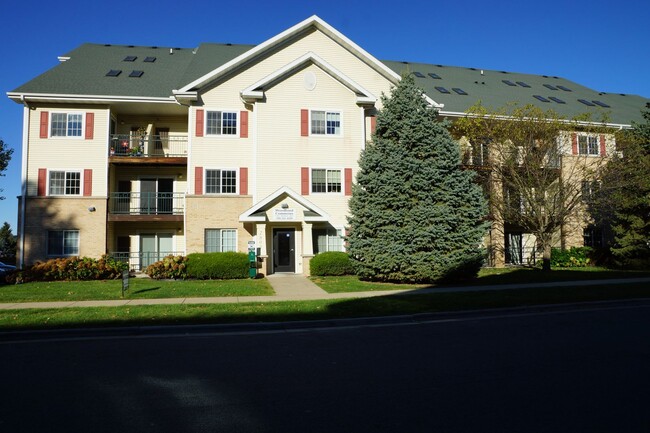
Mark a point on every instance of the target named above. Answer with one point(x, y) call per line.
point(487, 276)
point(309, 310)
point(139, 288)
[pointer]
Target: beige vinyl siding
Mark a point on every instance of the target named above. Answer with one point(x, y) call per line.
point(75, 153)
point(282, 151)
point(225, 95)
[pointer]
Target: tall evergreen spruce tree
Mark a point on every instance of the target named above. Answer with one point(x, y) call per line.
point(415, 214)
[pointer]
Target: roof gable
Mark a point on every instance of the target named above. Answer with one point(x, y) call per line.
point(257, 211)
point(310, 23)
point(256, 90)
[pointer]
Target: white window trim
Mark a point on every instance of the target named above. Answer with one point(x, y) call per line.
point(47, 246)
point(337, 228)
point(81, 182)
point(311, 184)
point(205, 181)
point(212, 110)
point(67, 137)
point(597, 136)
point(205, 244)
point(326, 135)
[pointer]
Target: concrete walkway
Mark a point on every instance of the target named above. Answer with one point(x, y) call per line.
point(291, 287)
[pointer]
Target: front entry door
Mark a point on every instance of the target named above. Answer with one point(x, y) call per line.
point(283, 250)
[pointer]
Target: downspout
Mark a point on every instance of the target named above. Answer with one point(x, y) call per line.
point(23, 176)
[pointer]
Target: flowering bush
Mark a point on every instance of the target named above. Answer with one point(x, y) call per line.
point(575, 257)
point(170, 267)
point(70, 269)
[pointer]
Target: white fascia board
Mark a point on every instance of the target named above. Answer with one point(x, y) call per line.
point(270, 43)
point(48, 97)
point(246, 216)
point(510, 118)
point(252, 92)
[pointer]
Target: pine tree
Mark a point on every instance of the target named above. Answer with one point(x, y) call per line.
point(415, 215)
point(7, 244)
point(624, 199)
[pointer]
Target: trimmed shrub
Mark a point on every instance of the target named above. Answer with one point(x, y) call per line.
point(575, 257)
point(70, 269)
point(331, 263)
point(170, 267)
point(217, 266)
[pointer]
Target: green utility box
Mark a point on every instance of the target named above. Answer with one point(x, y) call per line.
point(252, 263)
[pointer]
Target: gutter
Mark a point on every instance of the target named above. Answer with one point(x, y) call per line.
point(618, 126)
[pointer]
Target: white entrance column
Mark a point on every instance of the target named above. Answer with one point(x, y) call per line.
point(307, 247)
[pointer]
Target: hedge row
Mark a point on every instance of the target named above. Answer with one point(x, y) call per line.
point(201, 266)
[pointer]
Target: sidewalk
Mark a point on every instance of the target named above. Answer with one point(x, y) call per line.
point(292, 287)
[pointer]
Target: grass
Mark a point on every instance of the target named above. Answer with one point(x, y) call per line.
point(309, 310)
point(139, 288)
point(487, 276)
point(295, 310)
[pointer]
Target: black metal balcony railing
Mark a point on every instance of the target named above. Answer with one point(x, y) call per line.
point(146, 203)
point(148, 145)
point(140, 260)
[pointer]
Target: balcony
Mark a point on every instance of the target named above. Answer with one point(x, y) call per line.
point(148, 149)
point(138, 261)
point(146, 206)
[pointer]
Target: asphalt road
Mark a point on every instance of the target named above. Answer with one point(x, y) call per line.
point(559, 370)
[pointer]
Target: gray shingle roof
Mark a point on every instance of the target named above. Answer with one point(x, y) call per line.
point(85, 74)
point(491, 89)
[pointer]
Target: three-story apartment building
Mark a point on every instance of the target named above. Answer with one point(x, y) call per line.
point(141, 152)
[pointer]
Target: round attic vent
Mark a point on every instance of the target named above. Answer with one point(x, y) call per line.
point(309, 80)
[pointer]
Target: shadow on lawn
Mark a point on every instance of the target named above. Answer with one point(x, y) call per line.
point(152, 289)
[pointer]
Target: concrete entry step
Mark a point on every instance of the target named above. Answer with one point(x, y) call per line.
point(294, 285)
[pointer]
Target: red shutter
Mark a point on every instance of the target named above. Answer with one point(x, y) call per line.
point(198, 180)
point(574, 143)
point(243, 124)
point(304, 123)
point(348, 181)
point(603, 145)
point(45, 117)
point(199, 123)
point(304, 180)
point(243, 181)
point(373, 124)
point(90, 125)
point(42, 181)
point(88, 183)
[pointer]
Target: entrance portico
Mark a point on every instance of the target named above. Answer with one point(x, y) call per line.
point(282, 229)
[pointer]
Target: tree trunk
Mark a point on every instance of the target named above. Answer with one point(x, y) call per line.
point(546, 253)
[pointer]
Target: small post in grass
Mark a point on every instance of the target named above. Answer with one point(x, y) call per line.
point(125, 281)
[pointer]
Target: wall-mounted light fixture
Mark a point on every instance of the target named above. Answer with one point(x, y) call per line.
point(91, 209)
point(285, 206)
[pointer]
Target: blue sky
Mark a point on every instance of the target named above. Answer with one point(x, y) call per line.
point(599, 44)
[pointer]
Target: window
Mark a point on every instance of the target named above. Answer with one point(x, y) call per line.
point(65, 183)
point(221, 181)
point(323, 180)
point(588, 145)
point(327, 240)
point(63, 243)
point(593, 237)
point(220, 240)
point(589, 188)
point(66, 125)
point(221, 123)
point(325, 123)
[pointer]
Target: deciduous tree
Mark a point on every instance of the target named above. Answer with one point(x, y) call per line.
point(536, 182)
